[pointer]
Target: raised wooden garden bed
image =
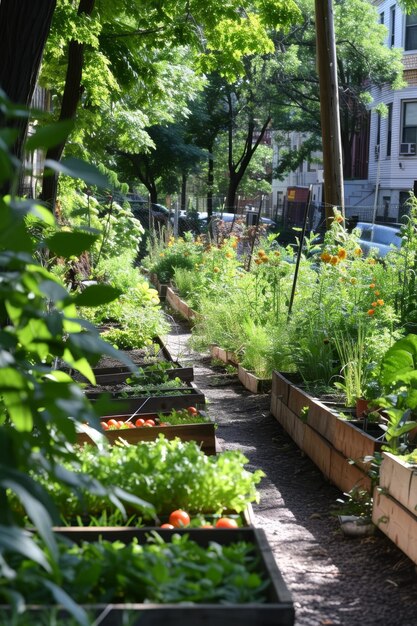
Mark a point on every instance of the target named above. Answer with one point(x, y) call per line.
point(277, 610)
point(395, 503)
point(330, 441)
point(227, 356)
point(251, 382)
point(119, 375)
point(190, 396)
point(179, 305)
point(203, 434)
point(160, 287)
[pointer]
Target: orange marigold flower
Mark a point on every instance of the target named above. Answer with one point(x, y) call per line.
point(229, 255)
point(334, 260)
point(258, 261)
point(325, 257)
point(357, 252)
point(372, 286)
point(380, 302)
point(261, 253)
point(374, 304)
point(377, 293)
point(342, 254)
point(371, 311)
point(234, 244)
point(265, 259)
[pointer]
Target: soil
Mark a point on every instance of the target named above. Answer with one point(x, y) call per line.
point(334, 579)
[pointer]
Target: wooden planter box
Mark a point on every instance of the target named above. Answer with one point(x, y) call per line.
point(202, 434)
point(331, 442)
point(227, 356)
point(179, 305)
point(251, 382)
point(395, 503)
point(278, 609)
point(119, 375)
point(160, 287)
point(153, 404)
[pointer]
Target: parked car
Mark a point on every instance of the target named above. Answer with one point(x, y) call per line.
point(379, 236)
point(250, 218)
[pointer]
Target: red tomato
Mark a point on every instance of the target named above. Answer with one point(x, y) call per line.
point(104, 425)
point(179, 518)
point(226, 522)
point(192, 410)
point(130, 424)
point(207, 526)
point(120, 424)
point(149, 423)
point(167, 526)
point(112, 422)
point(139, 422)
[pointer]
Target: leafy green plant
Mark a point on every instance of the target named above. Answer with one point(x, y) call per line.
point(156, 572)
point(353, 359)
point(172, 474)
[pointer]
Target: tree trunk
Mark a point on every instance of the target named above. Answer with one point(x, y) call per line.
point(72, 93)
point(24, 28)
point(237, 171)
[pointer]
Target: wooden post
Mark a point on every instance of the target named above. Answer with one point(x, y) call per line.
point(329, 108)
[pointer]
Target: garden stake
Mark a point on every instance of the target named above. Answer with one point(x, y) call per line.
point(300, 249)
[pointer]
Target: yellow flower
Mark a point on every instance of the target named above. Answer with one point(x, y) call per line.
point(371, 261)
point(277, 253)
point(265, 259)
point(334, 260)
point(234, 244)
point(229, 255)
point(325, 257)
point(216, 270)
point(372, 286)
point(357, 252)
point(342, 254)
point(353, 280)
point(258, 261)
point(261, 253)
point(380, 302)
point(162, 254)
point(377, 293)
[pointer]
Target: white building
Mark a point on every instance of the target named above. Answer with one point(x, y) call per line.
point(392, 160)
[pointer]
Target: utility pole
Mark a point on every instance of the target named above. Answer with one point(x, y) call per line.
point(329, 108)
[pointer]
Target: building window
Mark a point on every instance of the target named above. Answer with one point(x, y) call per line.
point(392, 27)
point(411, 32)
point(409, 123)
point(389, 130)
point(382, 18)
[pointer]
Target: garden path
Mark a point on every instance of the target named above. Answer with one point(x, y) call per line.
point(334, 580)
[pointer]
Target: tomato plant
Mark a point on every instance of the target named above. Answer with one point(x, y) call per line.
point(226, 522)
point(179, 518)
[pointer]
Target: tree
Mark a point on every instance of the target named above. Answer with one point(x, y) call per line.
point(220, 33)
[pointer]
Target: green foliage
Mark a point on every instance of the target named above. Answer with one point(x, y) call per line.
point(156, 571)
point(170, 474)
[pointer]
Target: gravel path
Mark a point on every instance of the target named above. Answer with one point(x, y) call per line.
point(333, 579)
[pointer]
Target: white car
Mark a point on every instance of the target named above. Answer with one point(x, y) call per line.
point(378, 236)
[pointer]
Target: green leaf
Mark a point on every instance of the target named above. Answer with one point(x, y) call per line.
point(68, 244)
point(399, 361)
point(96, 295)
point(53, 290)
point(92, 344)
point(78, 169)
point(11, 379)
point(63, 599)
point(19, 411)
point(81, 365)
point(29, 493)
point(13, 539)
point(49, 136)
